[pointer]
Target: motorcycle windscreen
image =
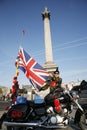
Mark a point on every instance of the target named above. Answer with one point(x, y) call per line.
point(38, 99)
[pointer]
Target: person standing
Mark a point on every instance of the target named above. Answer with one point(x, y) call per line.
point(14, 90)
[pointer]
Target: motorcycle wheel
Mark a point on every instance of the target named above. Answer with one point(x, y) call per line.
point(83, 120)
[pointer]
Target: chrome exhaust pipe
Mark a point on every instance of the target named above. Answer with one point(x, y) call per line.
point(33, 125)
point(19, 124)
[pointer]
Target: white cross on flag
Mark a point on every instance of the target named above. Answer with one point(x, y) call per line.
point(33, 71)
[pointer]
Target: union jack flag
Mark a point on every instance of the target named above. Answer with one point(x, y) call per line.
point(33, 71)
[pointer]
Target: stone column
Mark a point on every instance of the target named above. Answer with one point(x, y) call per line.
point(49, 65)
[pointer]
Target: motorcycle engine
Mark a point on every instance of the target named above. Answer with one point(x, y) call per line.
point(56, 119)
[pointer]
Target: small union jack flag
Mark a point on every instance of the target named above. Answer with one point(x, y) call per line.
point(33, 71)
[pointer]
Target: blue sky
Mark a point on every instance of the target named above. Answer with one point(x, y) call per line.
point(68, 26)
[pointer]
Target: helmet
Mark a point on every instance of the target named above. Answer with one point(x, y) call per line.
point(57, 71)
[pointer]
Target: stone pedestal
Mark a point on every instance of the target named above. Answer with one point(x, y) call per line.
point(50, 66)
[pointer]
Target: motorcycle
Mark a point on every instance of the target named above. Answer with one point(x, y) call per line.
point(52, 112)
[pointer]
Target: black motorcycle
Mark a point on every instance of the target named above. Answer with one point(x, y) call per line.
point(52, 112)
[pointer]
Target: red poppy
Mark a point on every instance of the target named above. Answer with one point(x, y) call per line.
point(53, 83)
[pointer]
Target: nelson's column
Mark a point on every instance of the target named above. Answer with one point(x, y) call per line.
point(49, 64)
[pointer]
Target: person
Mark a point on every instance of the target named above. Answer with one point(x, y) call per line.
point(14, 90)
point(54, 81)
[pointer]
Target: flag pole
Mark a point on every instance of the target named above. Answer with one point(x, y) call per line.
point(17, 72)
point(23, 33)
